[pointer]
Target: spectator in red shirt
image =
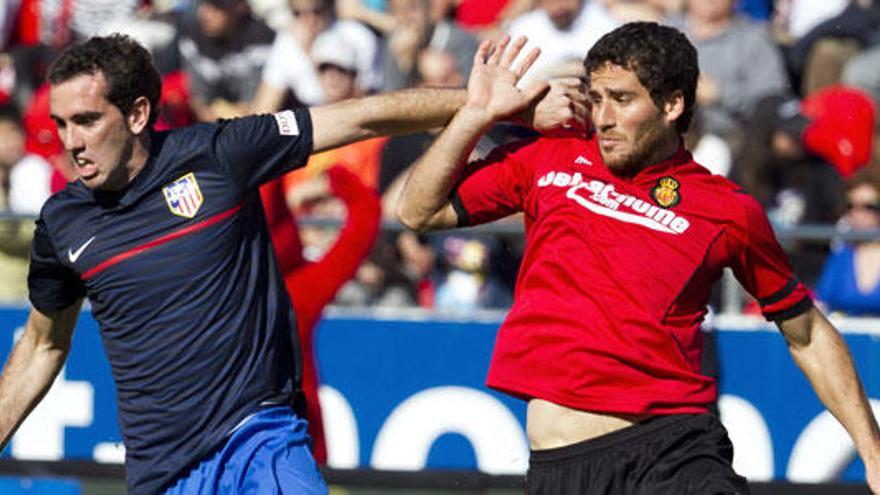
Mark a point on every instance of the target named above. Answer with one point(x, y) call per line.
point(313, 284)
point(625, 235)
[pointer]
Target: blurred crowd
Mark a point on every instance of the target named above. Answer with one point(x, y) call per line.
point(786, 109)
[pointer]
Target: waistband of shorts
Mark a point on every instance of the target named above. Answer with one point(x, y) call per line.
point(618, 437)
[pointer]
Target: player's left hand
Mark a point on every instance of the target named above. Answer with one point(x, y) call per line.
point(563, 108)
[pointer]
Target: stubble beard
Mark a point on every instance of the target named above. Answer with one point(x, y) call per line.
point(118, 177)
point(647, 146)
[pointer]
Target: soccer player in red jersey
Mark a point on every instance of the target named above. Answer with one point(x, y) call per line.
point(625, 236)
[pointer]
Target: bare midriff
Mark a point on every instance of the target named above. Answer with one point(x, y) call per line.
point(550, 425)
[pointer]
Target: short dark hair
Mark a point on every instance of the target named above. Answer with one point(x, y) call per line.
point(127, 66)
point(662, 58)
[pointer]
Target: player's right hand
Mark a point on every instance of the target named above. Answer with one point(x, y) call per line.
point(492, 85)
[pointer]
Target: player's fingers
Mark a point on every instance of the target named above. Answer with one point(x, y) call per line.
point(566, 82)
point(577, 93)
point(513, 52)
point(527, 62)
point(581, 113)
point(499, 50)
point(483, 52)
point(573, 87)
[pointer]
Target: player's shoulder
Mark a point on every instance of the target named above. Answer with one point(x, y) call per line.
point(561, 141)
point(537, 149)
point(517, 147)
point(171, 146)
point(732, 193)
point(64, 210)
point(185, 135)
point(74, 193)
point(721, 193)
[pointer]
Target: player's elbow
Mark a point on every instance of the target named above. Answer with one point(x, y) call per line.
point(412, 219)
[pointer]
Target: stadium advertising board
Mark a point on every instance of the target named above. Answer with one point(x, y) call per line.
point(408, 394)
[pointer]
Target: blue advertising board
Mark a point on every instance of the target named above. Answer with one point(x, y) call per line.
point(407, 393)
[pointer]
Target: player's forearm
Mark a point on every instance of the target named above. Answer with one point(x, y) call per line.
point(27, 376)
point(399, 112)
point(826, 361)
point(424, 200)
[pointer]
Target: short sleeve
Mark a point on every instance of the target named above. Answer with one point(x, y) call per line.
point(256, 149)
point(52, 285)
point(495, 186)
point(763, 269)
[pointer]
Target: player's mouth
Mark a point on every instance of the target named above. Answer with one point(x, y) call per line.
point(609, 142)
point(85, 169)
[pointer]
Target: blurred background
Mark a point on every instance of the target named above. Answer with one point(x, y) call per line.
point(402, 325)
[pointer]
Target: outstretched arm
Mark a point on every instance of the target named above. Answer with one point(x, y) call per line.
point(492, 95)
point(398, 112)
point(32, 366)
point(820, 352)
point(563, 107)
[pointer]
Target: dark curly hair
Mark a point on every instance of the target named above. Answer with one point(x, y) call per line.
point(127, 66)
point(662, 58)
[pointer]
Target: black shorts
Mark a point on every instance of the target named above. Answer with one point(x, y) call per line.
point(680, 455)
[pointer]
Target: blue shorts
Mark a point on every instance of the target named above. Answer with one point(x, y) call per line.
point(268, 454)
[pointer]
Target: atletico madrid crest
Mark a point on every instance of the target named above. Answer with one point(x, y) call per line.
point(183, 196)
point(665, 192)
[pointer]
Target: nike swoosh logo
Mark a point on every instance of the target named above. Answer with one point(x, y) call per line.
point(74, 255)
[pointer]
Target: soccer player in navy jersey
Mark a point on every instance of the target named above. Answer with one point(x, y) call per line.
point(165, 233)
point(625, 234)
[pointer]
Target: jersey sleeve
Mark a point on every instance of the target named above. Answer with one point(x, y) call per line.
point(763, 269)
point(258, 148)
point(495, 186)
point(52, 285)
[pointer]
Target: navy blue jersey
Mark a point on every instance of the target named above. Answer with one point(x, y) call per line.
point(180, 272)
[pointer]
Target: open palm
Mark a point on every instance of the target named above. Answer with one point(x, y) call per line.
point(492, 84)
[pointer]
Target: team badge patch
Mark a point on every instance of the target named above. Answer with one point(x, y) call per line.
point(183, 196)
point(665, 193)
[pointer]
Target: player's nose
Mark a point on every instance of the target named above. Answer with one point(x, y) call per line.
point(603, 115)
point(71, 139)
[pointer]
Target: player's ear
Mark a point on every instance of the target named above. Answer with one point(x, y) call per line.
point(673, 107)
point(139, 117)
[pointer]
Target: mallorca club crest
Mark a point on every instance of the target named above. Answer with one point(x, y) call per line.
point(183, 196)
point(665, 192)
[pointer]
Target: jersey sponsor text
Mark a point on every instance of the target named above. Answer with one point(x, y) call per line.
point(603, 199)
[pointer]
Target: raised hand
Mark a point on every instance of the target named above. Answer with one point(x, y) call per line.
point(492, 85)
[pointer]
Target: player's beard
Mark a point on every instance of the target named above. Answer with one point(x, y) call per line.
point(647, 145)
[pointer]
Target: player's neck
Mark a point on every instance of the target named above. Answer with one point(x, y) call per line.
point(665, 149)
point(668, 147)
point(140, 153)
